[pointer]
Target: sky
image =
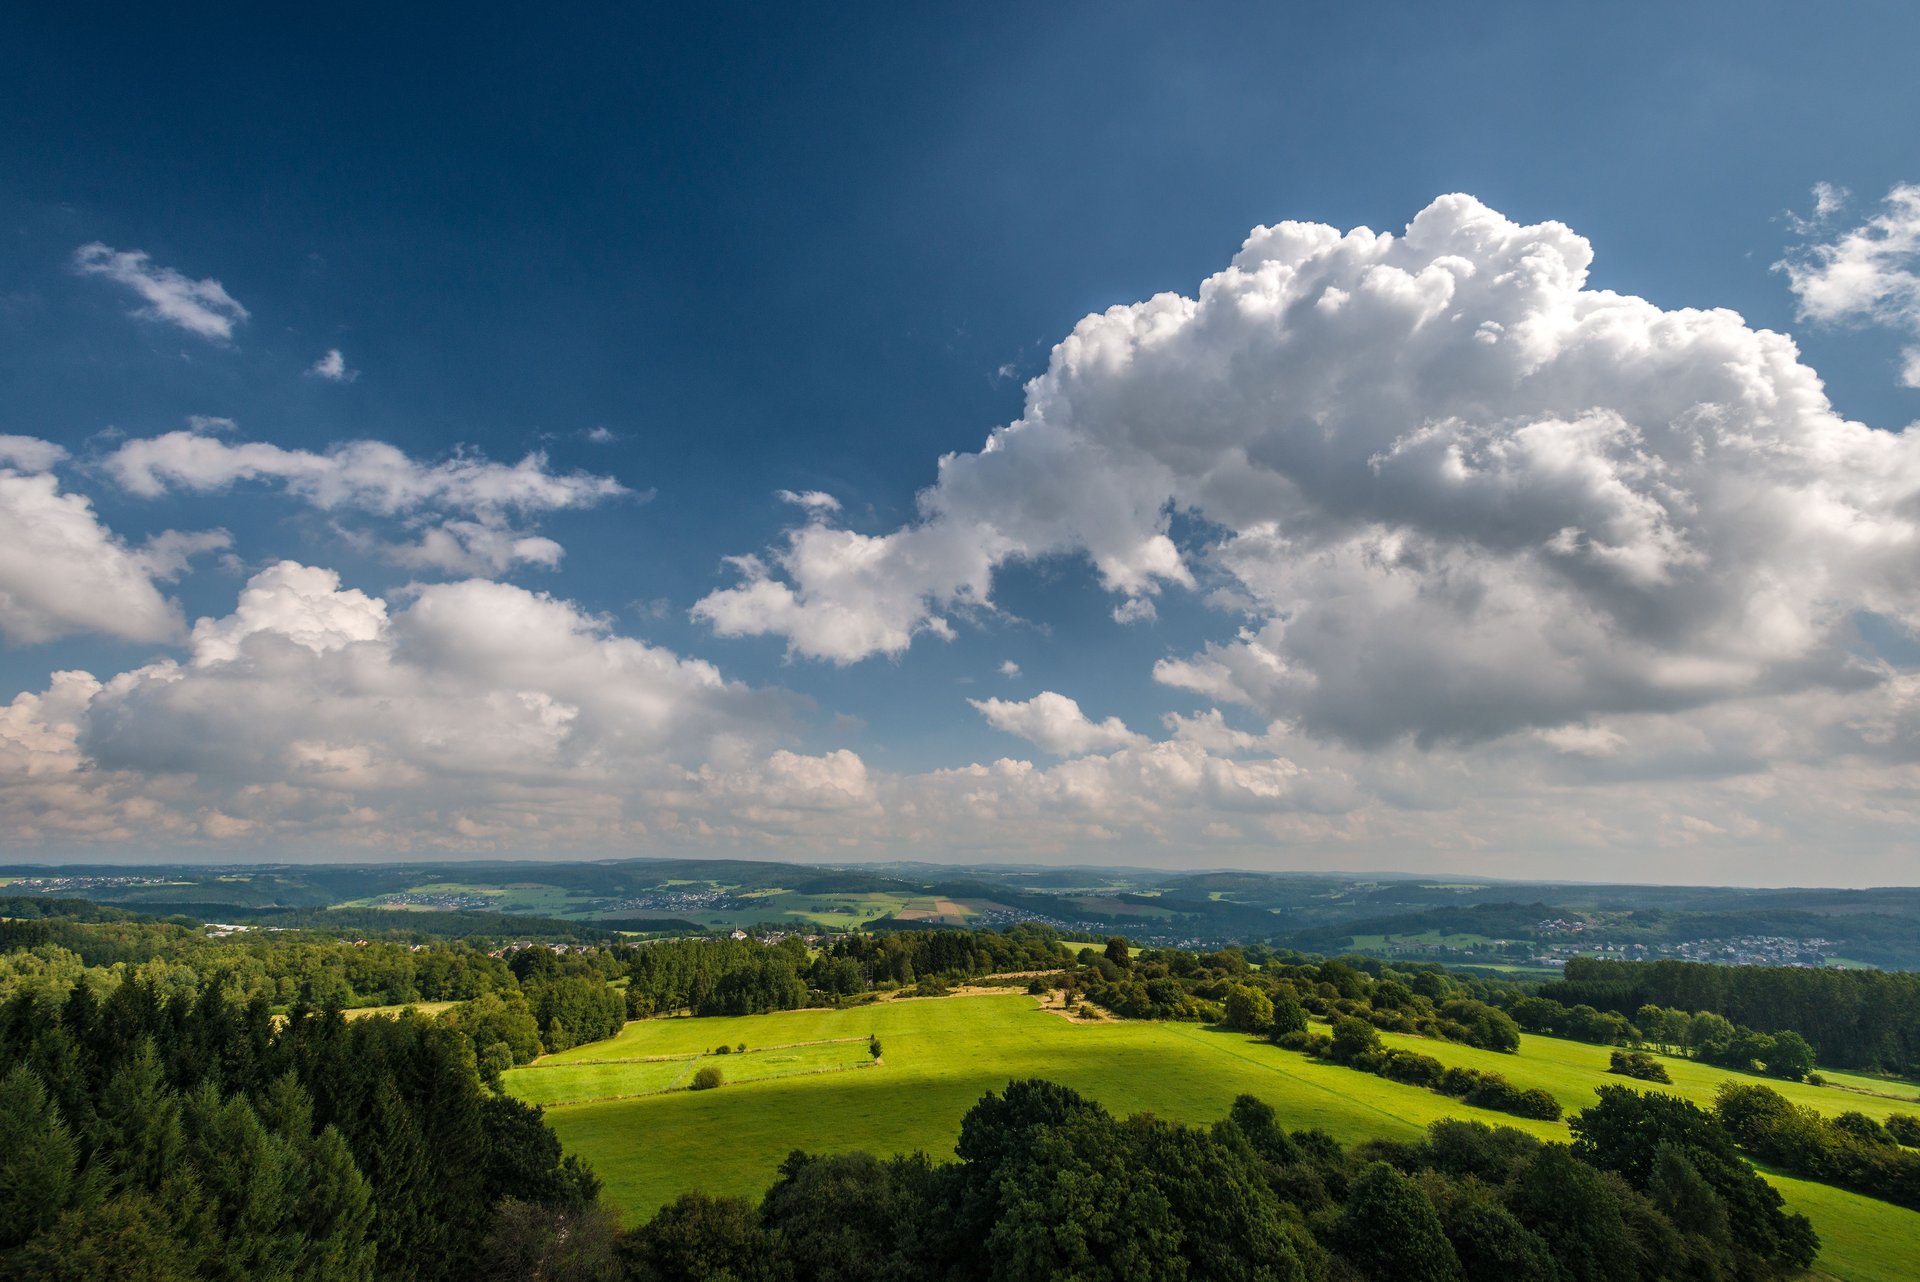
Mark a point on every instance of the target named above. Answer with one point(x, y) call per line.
point(1256, 436)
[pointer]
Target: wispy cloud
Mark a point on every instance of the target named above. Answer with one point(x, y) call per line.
point(370, 475)
point(202, 307)
point(811, 500)
point(1869, 273)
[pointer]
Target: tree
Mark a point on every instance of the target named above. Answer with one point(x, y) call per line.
point(697, 1238)
point(1488, 1240)
point(1538, 1014)
point(1117, 952)
point(527, 1242)
point(129, 1238)
point(1578, 1211)
point(842, 1216)
point(1259, 1126)
point(1791, 1057)
point(1352, 1038)
point(1685, 1197)
point(39, 1160)
point(1627, 1132)
point(1288, 1016)
point(1248, 1010)
point(1665, 1028)
point(1708, 1035)
point(498, 1018)
point(1391, 1230)
point(707, 1078)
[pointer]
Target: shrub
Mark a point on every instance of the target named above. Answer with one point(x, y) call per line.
point(723, 1050)
point(1639, 1064)
point(873, 1045)
point(1904, 1128)
point(1864, 1129)
point(1294, 1039)
point(707, 1078)
point(1536, 1103)
point(1413, 1068)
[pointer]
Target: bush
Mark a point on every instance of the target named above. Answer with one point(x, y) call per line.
point(1904, 1128)
point(707, 1078)
point(723, 1050)
point(1413, 1068)
point(1535, 1103)
point(1294, 1039)
point(1639, 1064)
point(873, 1045)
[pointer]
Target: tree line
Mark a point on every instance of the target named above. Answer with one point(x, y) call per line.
point(1702, 1035)
point(1852, 1150)
point(1224, 987)
point(1866, 1019)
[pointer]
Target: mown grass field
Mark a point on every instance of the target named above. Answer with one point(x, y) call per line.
point(558, 1080)
point(428, 1009)
point(941, 1054)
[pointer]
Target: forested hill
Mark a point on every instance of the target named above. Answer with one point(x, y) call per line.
point(1854, 1018)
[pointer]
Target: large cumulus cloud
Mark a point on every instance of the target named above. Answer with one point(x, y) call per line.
point(63, 572)
point(313, 709)
point(1456, 492)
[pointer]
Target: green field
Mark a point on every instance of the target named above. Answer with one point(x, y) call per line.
point(578, 1075)
point(942, 1054)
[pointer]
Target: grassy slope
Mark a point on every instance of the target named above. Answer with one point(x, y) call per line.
point(941, 1055)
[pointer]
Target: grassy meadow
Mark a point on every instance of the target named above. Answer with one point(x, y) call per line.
point(941, 1054)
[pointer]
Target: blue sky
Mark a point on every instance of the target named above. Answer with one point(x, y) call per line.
point(704, 257)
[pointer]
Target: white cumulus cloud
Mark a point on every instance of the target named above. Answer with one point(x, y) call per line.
point(1458, 492)
point(1054, 723)
point(200, 307)
point(63, 572)
point(475, 713)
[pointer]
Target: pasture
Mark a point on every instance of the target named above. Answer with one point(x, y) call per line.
point(942, 1054)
